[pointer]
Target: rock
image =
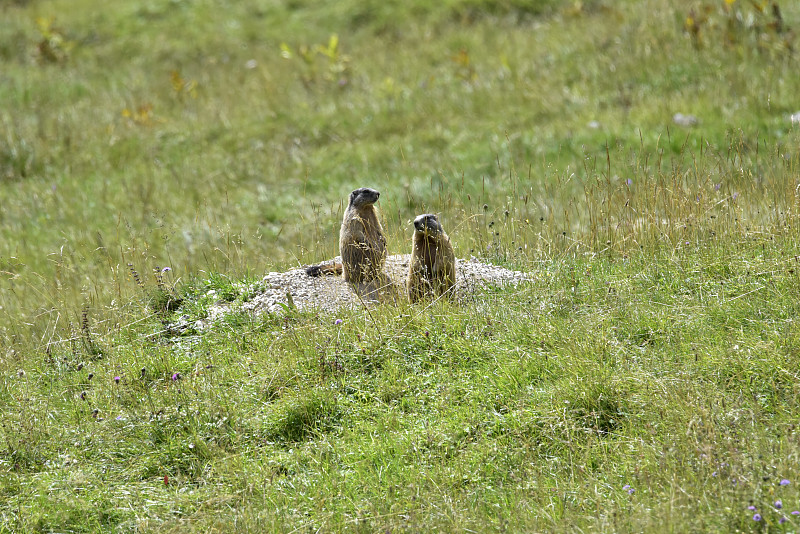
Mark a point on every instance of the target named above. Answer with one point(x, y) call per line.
point(684, 120)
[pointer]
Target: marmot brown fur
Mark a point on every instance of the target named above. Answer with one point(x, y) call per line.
point(433, 263)
point(362, 244)
point(361, 240)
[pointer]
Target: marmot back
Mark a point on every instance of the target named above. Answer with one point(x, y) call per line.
point(433, 263)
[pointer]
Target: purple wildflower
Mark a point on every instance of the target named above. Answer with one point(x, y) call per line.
point(629, 182)
point(751, 508)
point(628, 488)
point(166, 270)
point(784, 482)
point(337, 322)
point(778, 504)
point(795, 512)
point(176, 376)
point(757, 517)
point(782, 520)
point(116, 379)
point(717, 186)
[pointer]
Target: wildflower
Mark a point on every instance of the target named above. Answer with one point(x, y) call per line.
point(166, 270)
point(176, 377)
point(717, 186)
point(337, 322)
point(629, 182)
point(784, 482)
point(116, 379)
point(778, 504)
point(782, 520)
point(757, 517)
point(795, 512)
point(166, 480)
point(628, 488)
point(751, 508)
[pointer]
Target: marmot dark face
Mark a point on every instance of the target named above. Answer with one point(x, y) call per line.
point(428, 224)
point(364, 196)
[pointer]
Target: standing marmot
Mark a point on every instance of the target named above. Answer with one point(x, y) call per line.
point(362, 243)
point(433, 263)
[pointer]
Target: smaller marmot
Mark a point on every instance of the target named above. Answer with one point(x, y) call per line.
point(433, 263)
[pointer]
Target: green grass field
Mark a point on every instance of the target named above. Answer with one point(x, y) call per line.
point(646, 379)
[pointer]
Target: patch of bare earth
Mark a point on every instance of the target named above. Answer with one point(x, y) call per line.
point(331, 293)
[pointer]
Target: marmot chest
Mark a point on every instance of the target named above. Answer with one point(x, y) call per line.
point(427, 252)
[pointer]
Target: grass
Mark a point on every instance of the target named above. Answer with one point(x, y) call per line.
point(158, 157)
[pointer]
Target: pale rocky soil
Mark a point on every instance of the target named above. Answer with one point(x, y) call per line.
point(331, 293)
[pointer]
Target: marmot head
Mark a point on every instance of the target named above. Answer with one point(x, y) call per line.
point(364, 196)
point(428, 224)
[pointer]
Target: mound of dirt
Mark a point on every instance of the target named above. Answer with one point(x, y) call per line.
point(330, 293)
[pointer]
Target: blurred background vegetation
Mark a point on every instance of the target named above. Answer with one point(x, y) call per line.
point(213, 135)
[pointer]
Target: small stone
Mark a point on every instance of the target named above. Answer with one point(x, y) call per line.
point(684, 120)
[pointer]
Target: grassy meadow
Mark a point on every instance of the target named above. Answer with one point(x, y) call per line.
point(160, 156)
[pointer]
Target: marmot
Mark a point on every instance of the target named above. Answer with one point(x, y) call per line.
point(361, 240)
point(362, 246)
point(433, 263)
